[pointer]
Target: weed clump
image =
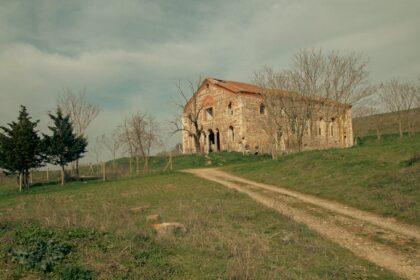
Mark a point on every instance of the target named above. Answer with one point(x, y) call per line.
point(75, 273)
point(39, 249)
point(43, 250)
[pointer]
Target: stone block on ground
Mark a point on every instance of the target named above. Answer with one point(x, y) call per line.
point(168, 229)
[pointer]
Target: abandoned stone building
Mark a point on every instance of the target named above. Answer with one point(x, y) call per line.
point(230, 120)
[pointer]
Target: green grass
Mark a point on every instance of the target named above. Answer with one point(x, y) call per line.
point(387, 123)
point(374, 176)
point(158, 163)
point(85, 230)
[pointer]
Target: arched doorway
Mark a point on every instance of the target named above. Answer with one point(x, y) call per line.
point(211, 141)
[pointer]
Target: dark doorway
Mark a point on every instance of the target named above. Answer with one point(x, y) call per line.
point(211, 141)
point(217, 140)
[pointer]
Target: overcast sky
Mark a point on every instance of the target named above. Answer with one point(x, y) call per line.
point(129, 54)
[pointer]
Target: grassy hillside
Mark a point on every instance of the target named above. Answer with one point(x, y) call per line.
point(367, 125)
point(374, 176)
point(158, 163)
point(96, 230)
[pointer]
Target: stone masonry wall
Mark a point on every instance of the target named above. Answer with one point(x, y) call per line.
point(244, 118)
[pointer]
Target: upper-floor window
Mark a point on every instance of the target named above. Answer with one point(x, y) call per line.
point(209, 113)
point(262, 109)
point(230, 110)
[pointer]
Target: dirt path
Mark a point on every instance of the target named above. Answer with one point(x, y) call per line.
point(385, 242)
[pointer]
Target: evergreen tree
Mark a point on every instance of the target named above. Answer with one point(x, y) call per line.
point(63, 146)
point(20, 148)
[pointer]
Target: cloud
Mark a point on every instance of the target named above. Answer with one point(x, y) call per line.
point(129, 54)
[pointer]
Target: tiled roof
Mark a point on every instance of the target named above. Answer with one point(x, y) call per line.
point(236, 87)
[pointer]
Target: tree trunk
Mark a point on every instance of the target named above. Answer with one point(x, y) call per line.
point(300, 144)
point(63, 175)
point(103, 171)
point(77, 168)
point(146, 164)
point(20, 182)
point(137, 166)
point(197, 144)
point(340, 132)
point(25, 179)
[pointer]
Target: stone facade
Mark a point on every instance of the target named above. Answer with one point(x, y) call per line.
point(231, 116)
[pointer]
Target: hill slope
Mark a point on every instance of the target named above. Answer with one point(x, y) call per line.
point(100, 230)
point(367, 125)
point(374, 176)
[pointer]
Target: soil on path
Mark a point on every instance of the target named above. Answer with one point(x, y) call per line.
point(383, 241)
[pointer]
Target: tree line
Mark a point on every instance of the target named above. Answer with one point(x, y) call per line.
point(22, 148)
point(397, 97)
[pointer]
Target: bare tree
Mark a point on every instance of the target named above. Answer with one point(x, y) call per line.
point(80, 110)
point(189, 119)
point(140, 134)
point(346, 83)
point(144, 131)
point(98, 149)
point(126, 141)
point(293, 98)
point(112, 144)
point(370, 109)
point(399, 97)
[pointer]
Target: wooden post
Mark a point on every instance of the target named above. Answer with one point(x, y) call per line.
point(103, 172)
point(48, 175)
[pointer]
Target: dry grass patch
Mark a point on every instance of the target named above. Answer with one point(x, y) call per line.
point(228, 235)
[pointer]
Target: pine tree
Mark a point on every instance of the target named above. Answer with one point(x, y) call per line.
point(20, 148)
point(63, 146)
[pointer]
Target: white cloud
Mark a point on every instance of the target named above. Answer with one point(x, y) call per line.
point(129, 54)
